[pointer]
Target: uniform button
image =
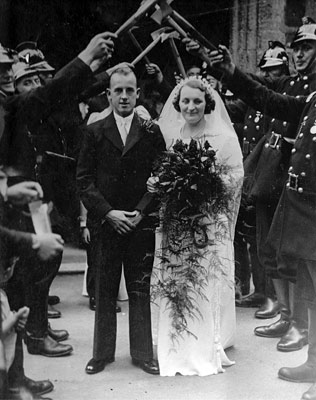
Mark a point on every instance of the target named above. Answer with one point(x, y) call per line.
point(293, 151)
point(250, 116)
point(266, 145)
point(292, 83)
point(284, 93)
point(303, 174)
point(308, 156)
point(253, 139)
point(288, 185)
point(300, 190)
point(257, 127)
point(284, 123)
point(297, 97)
point(245, 127)
point(314, 139)
point(273, 119)
point(305, 118)
point(306, 86)
point(300, 135)
point(244, 138)
point(305, 78)
point(290, 169)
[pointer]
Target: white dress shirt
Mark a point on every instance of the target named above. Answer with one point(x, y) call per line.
point(124, 125)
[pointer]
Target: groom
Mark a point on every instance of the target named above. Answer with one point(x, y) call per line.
point(115, 162)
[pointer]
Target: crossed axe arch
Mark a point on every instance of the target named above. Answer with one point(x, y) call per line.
point(177, 27)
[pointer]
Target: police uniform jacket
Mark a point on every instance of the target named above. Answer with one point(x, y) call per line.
point(267, 167)
point(293, 231)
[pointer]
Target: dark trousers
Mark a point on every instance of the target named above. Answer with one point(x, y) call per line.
point(267, 256)
point(30, 283)
point(29, 286)
point(246, 257)
point(136, 252)
point(16, 371)
point(91, 249)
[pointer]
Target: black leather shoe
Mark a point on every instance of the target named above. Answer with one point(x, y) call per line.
point(277, 329)
point(47, 347)
point(94, 366)
point(151, 367)
point(253, 300)
point(53, 300)
point(92, 305)
point(35, 387)
point(118, 309)
point(57, 334)
point(310, 394)
point(294, 339)
point(52, 313)
point(303, 373)
point(269, 309)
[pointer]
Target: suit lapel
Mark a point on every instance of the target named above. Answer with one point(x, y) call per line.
point(134, 134)
point(112, 133)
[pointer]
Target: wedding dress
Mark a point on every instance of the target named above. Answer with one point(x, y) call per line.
point(202, 353)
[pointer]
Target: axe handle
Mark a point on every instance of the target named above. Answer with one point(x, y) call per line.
point(147, 50)
point(177, 57)
point(136, 16)
point(176, 26)
point(193, 32)
point(138, 46)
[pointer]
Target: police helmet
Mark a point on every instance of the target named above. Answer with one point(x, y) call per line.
point(305, 32)
point(274, 56)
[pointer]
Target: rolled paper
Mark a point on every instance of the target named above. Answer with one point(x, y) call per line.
point(40, 217)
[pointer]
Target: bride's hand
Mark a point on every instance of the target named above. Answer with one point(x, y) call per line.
point(152, 184)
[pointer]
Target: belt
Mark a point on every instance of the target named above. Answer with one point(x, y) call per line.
point(275, 140)
point(294, 182)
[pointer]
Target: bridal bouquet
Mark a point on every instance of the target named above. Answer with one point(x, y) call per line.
point(190, 181)
point(192, 195)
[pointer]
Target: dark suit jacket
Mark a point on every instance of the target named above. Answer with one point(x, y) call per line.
point(111, 176)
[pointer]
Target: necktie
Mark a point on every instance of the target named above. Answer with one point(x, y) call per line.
point(124, 132)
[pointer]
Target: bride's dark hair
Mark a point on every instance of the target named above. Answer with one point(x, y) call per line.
point(196, 83)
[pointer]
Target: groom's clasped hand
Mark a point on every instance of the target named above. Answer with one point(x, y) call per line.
point(123, 222)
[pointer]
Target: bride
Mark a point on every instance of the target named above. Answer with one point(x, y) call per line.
point(195, 111)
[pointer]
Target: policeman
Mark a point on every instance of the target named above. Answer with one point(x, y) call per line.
point(270, 176)
point(293, 230)
point(273, 64)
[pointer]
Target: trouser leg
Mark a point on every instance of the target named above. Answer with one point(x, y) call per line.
point(108, 275)
point(37, 295)
point(137, 268)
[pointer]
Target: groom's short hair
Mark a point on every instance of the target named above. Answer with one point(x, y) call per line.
point(122, 71)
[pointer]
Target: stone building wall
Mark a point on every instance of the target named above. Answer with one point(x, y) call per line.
point(255, 22)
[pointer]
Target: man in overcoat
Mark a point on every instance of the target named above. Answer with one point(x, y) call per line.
point(116, 159)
